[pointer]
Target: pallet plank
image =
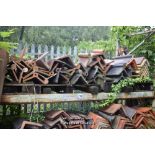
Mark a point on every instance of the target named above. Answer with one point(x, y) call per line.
point(58, 98)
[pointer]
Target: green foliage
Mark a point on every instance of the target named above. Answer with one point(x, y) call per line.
point(64, 35)
point(116, 89)
point(105, 45)
point(117, 32)
point(147, 49)
point(59, 35)
point(6, 45)
point(121, 33)
point(6, 34)
point(36, 117)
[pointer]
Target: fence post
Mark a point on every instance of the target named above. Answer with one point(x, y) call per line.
point(33, 51)
point(19, 48)
point(25, 108)
point(58, 52)
point(64, 51)
point(70, 52)
point(52, 52)
point(39, 49)
point(46, 50)
point(75, 53)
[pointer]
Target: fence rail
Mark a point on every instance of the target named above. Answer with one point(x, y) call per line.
point(13, 106)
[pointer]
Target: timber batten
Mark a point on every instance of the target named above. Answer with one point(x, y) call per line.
point(71, 97)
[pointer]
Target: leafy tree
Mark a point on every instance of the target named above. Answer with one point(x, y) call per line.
point(147, 49)
point(4, 44)
point(59, 35)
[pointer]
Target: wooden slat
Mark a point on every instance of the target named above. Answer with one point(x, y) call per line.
point(58, 52)
point(52, 52)
point(46, 50)
point(39, 108)
point(153, 103)
point(45, 107)
point(64, 51)
point(70, 51)
point(33, 54)
point(75, 54)
point(25, 108)
point(56, 98)
point(39, 50)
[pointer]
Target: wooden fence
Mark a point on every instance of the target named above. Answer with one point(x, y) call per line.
point(16, 109)
point(53, 52)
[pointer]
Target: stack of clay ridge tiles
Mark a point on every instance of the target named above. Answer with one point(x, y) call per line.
point(142, 67)
point(121, 67)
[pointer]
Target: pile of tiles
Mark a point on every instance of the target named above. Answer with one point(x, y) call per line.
point(127, 66)
point(92, 70)
point(142, 67)
point(121, 67)
point(95, 68)
point(116, 116)
point(21, 123)
point(41, 72)
point(117, 69)
point(124, 117)
point(62, 120)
